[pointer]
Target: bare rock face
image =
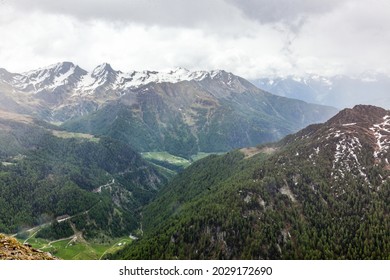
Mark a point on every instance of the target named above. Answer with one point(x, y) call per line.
point(12, 249)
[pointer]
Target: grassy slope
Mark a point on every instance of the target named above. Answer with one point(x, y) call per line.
point(68, 250)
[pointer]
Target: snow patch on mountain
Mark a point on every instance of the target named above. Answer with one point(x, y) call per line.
point(136, 79)
point(346, 158)
point(132, 80)
point(62, 79)
point(47, 78)
point(381, 133)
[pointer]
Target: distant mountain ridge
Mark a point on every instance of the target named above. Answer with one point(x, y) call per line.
point(178, 111)
point(339, 91)
point(75, 79)
point(64, 90)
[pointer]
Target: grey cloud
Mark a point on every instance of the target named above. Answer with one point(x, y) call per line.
point(220, 17)
point(187, 13)
point(148, 12)
point(247, 37)
point(271, 11)
point(288, 17)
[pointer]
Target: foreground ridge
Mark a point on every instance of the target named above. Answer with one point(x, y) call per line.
point(12, 249)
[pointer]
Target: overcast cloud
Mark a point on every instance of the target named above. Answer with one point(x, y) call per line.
point(253, 38)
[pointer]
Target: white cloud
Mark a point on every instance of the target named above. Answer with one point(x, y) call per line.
point(287, 11)
point(249, 38)
point(179, 13)
point(351, 40)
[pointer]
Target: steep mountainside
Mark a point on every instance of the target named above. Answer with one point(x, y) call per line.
point(337, 91)
point(180, 111)
point(322, 193)
point(98, 183)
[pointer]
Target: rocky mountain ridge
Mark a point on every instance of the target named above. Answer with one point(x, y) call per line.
point(66, 75)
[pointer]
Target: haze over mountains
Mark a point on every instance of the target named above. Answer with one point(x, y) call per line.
point(337, 91)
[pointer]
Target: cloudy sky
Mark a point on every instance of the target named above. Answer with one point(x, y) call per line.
point(251, 38)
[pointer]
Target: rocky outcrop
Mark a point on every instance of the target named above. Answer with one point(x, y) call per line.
point(12, 249)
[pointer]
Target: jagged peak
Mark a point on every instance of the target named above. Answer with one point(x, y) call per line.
point(66, 64)
point(57, 67)
point(180, 69)
point(102, 68)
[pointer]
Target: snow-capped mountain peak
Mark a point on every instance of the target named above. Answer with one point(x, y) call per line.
point(102, 69)
point(68, 77)
point(134, 79)
point(56, 69)
point(50, 77)
point(180, 70)
point(5, 76)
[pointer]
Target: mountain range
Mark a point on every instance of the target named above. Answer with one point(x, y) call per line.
point(179, 111)
point(321, 193)
point(70, 141)
point(339, 91)
point(296, 180)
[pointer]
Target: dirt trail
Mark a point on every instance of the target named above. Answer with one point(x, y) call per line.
point(99, 189)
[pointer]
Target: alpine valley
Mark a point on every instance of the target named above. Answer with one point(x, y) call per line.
point(72, 188)
point(91, 161)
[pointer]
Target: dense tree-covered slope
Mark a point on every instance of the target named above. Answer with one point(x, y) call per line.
point(322, 193)
point(45, 173)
